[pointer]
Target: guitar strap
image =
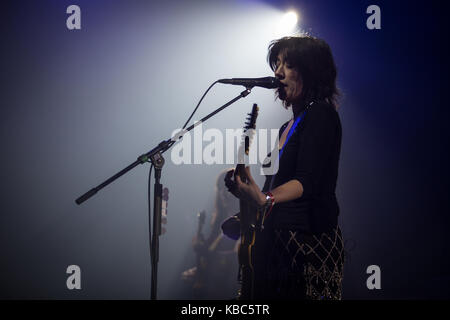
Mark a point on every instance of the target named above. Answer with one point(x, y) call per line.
point(290, 133)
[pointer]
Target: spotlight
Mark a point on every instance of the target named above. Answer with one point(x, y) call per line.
point(287, 23)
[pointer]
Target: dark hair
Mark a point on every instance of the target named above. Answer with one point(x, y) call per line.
point(312, 58)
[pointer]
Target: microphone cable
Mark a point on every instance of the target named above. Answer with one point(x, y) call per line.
point(198, 104)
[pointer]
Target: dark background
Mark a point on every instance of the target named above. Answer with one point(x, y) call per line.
point(78, 106)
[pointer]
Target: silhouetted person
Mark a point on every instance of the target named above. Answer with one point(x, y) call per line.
point(216, 270)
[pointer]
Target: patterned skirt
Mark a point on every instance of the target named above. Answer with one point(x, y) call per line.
point(302, 266)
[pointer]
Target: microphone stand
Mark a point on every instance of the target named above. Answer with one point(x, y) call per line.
point(155, 157)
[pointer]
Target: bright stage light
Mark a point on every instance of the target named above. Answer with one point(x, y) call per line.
point(289, 20)
point(287, 24)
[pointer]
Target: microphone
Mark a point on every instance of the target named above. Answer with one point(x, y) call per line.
point(266, 82)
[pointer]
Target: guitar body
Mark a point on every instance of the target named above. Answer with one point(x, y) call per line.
point(249, 225)
point(249, 218)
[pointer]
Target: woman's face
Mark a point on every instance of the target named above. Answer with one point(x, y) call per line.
point(290, 78)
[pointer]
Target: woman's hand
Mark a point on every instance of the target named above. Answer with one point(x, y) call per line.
point(245, 191)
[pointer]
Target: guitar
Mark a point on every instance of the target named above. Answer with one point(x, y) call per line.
point(201, 261)
point(249, 217)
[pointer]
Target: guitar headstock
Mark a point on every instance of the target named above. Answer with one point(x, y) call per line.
point(201, 221)
point(201, 218)
point(164, 204)
point(250, 125)
point(249, 132)
point(165, 194)
point(251, 118)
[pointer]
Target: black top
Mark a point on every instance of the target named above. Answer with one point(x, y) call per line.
point(311, 156)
